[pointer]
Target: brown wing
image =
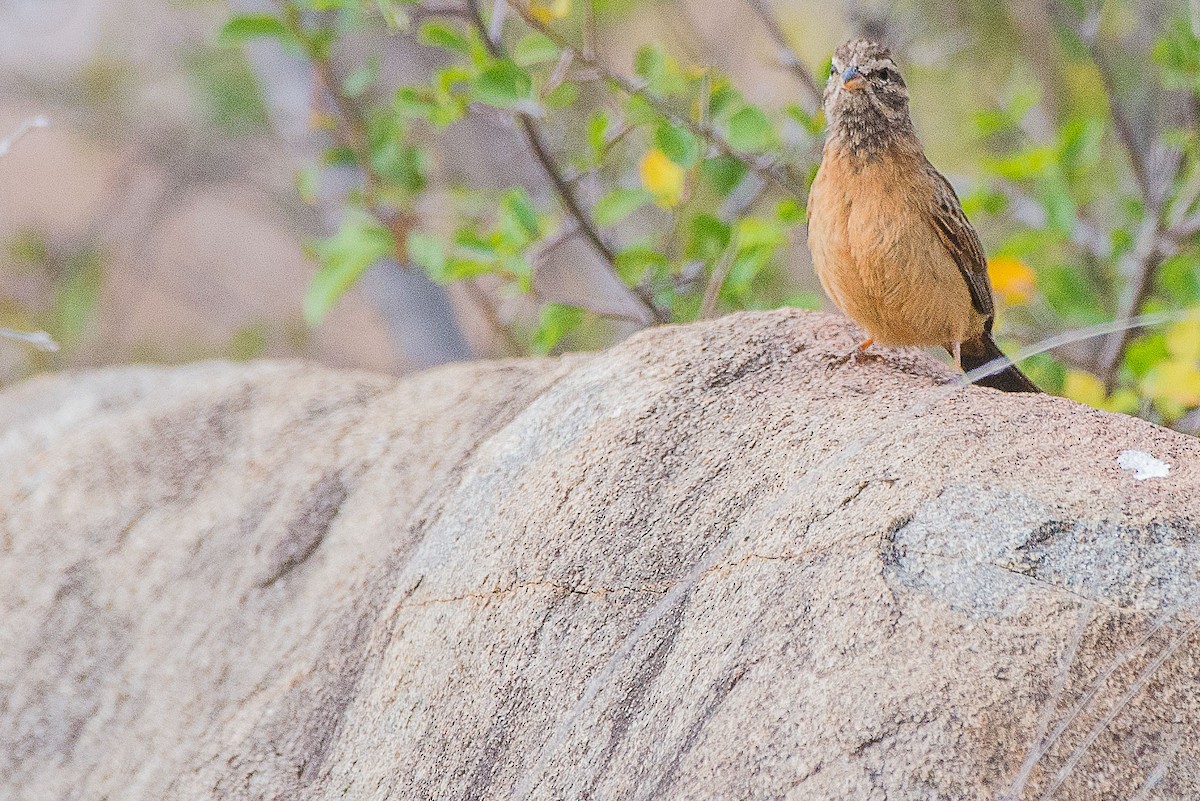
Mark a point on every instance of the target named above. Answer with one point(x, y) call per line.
point(960, 241)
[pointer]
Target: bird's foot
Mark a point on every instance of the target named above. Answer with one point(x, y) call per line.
point(859, 352)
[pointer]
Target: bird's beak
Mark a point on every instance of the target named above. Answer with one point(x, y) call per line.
point(852, 79)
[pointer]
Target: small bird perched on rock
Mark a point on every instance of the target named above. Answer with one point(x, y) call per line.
point(889, 238)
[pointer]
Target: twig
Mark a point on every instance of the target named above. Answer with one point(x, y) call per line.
point(563, 190)
point(1185, 228)
point(1126, 135)
point(712, 290)
point(38, 339)
point(772, 172)
point(7, 142)
point(351, 133)
point(499, 7)
point(1153, 245)
point(483, 304)
point(787, 55)
point(1147, 256)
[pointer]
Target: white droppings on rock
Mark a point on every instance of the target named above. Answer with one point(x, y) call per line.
point(1143, 465)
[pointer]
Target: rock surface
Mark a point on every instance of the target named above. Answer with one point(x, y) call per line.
point(698, 565)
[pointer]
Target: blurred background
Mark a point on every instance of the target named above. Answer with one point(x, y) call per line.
point(390, 185)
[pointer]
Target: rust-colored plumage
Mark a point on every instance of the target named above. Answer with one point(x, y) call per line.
point(889, 239)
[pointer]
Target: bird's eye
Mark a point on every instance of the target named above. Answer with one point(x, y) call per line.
point(832, 70)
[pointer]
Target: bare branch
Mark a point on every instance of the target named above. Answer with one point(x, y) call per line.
point(7, 142)
point(1126, 133)
point(787, 55)
point(771, 171)
point(483, 304)
point(499, 7)
point(38, 339)
point(712, 290)
point(1154, 240)
point(564, 191)
point(1185, 228)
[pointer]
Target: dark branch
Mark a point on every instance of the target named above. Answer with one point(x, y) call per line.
point(772, 172)
point(562, 189)
point(786, 54)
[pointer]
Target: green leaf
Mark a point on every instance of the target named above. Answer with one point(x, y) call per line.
point(633, 262)
point(1145, 352)
point(535, 48)
point(638, 111)
point(1024, 165)
point(1070, 294)
point(516, 206)
point(245, 27)
point(361, 79)
point(344, 257)
point(678, 143)
point(426, 251)
point(503, 85)
point(229, 91)
point(723, 173)
point(789, 211)
point(707, 237)
point(804, 300)
point(307, 182)
point(650, 62)
point(619, 204)
point(439, 34)
point(562, 96)
point(597, 135)
point(1179, 279)
point(555, 322)
point(749, 129)
point(77, 294)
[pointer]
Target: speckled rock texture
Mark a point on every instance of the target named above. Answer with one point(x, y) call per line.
point(700, 565)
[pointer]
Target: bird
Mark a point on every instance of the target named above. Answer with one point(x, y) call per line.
point(890, 242)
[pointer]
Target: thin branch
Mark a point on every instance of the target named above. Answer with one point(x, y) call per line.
point(7, 142)
point(1185, 228)
point(712, 290)
point(499, 7)
point(787, 55)
point(351, 130)
point(1122, 124)
point(483, 304)
point(1153, 244)
point(771, 171)
point(38, 339)
point(1147, 256)
point(563, 190)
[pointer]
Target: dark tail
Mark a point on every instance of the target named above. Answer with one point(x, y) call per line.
point(981, 350)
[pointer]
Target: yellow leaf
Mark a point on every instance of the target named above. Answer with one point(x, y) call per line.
point(320, 121)
point(662, 178)
point(1013, 279)
point(1124, 400)
point(1175, 380)
point(1084, 388)
point(1183, 339)
point(544, 12)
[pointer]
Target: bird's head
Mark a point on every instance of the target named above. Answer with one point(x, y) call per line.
point(865, 98)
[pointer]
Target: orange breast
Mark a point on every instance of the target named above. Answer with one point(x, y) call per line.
point(876, 252)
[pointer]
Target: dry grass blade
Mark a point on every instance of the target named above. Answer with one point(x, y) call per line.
point(1060, 683)
point(1138, 683)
